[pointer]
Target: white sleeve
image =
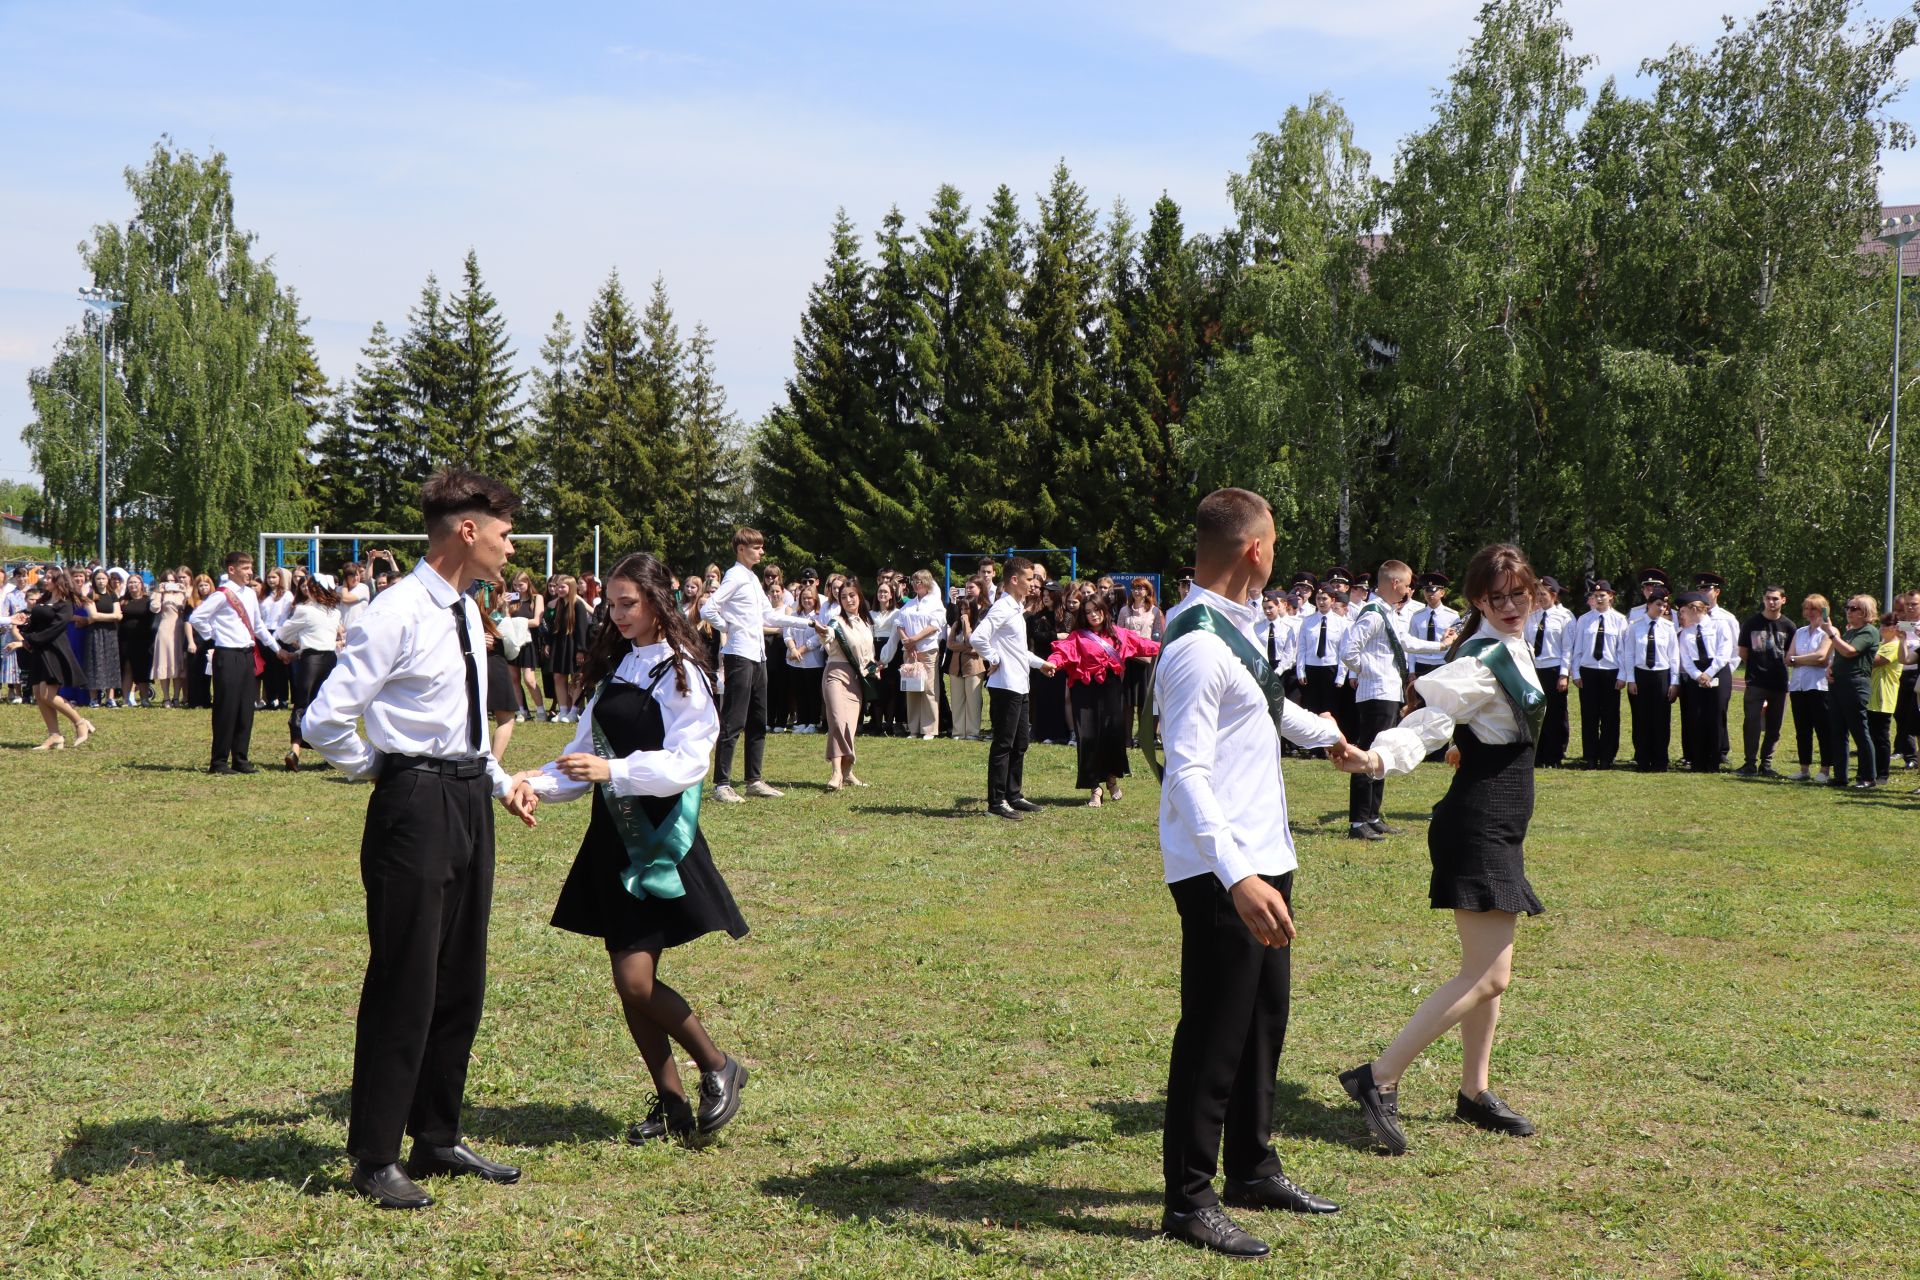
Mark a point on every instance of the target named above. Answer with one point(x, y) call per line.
point(1189, 718)
point(550, 783)
point(1452, 694)
point(1355, 640)
point(328, 724)
point(1671, 645)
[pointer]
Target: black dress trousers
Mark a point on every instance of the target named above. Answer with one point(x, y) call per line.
point(1700, 725)
point(1234, 998)
point(1555, 730)
point(743, 708)
point(233, 682)
point(1599, 716)
point(1371, 718)
point(1652, 721)
point(1007, 753)
point(426, 860)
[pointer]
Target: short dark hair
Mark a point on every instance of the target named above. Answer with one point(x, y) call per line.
point(1226, 518)
point(457, 492)
point(1768, 590)
point(237, 557)
point(1019, 564)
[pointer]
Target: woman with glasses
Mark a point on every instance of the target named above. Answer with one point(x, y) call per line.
point(1852, 669)
point(1487, 701)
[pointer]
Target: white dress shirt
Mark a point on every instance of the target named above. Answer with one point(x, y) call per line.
point(1334, 628)
point(1430, 624)
point(275, 610)
point(1278, 640)
point(353, 602)
point(1464, 692)
point(1724, 621)
point(917, 615)
point(313, 628)
point(740, 608)
point(692, 727)
point(1223, 808)
point(1000, 638)
point(1580, 646)
point(1809, 676)
point(1367, 652)
point(402, 670)
point(1719, 647)
point(805, 650)
point(1547, 632)
point(1665, 649)
point(215, 619)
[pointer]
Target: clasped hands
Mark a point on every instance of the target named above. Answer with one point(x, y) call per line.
point(578, 766)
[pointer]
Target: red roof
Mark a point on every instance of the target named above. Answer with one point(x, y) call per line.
point(1910, 253)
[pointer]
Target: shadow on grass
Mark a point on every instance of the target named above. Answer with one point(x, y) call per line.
point(145, 766)
point(969, 807)
point(270, 1146)
point(954, 1188)
point(1396, 816)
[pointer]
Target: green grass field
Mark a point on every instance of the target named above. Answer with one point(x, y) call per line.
point(958, 1031)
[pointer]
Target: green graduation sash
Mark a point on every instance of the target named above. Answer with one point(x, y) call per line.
point(869, 674)
point(653, 852)
point(1529, 704)
point(1393, 637)
point(1210, 620)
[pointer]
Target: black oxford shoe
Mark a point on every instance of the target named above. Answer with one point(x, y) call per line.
point(1211, 1229)
point(245, 766)
point(667, 1118)
point(1276, 1191)
point(388, 1186)
point(720, 1095)
point(1384, 828)
point(1489, 1113)
point(426, 1162)
point(1024, 805)
point(1004, 810)
point(1363, 831)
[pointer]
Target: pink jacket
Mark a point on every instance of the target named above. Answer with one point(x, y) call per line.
point(1085, 658)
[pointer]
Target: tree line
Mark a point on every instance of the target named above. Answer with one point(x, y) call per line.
point(1618, 328)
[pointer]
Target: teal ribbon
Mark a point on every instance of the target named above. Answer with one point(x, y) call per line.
point(1393, 637)
point(1529, 703)
point(1202, 617)
point(654, 850)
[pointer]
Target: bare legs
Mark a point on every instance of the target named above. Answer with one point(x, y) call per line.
point(52, 707)
point(657, 1015)
point(530, 696)
point(1471, 999)
point(502, 733)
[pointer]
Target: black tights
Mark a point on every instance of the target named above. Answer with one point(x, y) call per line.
point(658, 1015)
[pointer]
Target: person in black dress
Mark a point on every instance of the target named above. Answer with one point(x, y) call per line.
point(136, 642)
point(47, 663)
point(1488, 702)
point(1047, 699)
point(644, 881)
point(568, 620)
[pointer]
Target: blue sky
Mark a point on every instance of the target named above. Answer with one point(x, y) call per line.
point(707, 143)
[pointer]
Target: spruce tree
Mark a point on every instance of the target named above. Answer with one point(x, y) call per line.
point(429, 368)
point(1060, 307)
point(607, 463)
point(483, 428)
point(550, 412)
point(660, 373)
point(892, 479)
point(983, 337)
point(714, 467)
point(392, 453)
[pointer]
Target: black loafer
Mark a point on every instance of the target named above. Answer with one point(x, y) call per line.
point(220, 768)
point(1277, 1191)
point(427, 1162)
point(1362, 831)
point(720, 1096)
point(1493, 1115)
point(245, 766)
point(388, 1186)
point(667, 1118)
point(1383, 828)
point(1003, 810)
point(1023, 804)
point(1382, 1109)
point(1211, 1229)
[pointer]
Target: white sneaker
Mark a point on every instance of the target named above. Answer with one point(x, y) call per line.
point(727, 795)
point(1821, 776)
point(764, 791)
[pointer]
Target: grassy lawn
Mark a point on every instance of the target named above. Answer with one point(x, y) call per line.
point(958, 1031)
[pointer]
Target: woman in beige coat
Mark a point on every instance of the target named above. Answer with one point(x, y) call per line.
point(848, 642)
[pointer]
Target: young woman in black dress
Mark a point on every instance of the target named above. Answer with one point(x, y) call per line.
point(568, 619)
point(47, 663)
point(643, 880)
point(1488, 703)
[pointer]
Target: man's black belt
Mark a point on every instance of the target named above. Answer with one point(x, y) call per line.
point(471, 767)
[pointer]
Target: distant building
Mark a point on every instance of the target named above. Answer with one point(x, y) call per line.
point(12, 526)
point(1910, 253)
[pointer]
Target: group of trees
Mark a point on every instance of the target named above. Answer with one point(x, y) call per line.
point(1618, 329)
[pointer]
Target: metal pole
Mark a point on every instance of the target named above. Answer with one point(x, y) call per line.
point(596, 552)
point(1893, 452)
point(103, 439)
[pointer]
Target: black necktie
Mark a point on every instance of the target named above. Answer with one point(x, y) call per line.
point(1540, 635)
point(1321, 652)
point(1651, 627)
point(1273, 654)
point(1599, 638)
point(1700, 647)
point(1430, 631)
point(473, 675)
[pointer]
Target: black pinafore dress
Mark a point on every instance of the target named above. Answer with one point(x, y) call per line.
point(1478, 834)
point(594, 901)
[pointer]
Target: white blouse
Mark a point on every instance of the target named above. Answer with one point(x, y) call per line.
point(1464, 692)
point(1808, 677)
point(311, 627)
point(691, 725)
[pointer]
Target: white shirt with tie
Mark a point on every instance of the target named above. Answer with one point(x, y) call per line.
point(1319, 645)
point(1430, 624)
point(1665, 655)
point(1278, 639)
point(1723, 621)
point(218, 621)
point(1611, 629)
point(1546, 634)
point(404, 673)
point(1001, 639)
point(1714, 641)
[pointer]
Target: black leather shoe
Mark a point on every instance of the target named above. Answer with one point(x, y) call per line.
point(388, 1186)
point(220, 768)
point(667, 1118)
point(1211, 1229)
point(720, 1095)
point(1382, 1109)
point(459, 1158)
point(1276, 1191)
point(1023, 804)
point(1383, 828)
point(1003, 810)
point(245, 766)
point(1491, 1114)
point(1363, 831)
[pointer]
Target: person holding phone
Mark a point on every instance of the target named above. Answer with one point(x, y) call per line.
point(1807, 658)
point(1852, 668)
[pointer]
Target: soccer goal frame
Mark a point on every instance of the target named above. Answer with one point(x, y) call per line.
point(314, 537)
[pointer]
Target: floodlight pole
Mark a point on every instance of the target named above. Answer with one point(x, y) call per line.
point(105, 304)
point(1895, 232)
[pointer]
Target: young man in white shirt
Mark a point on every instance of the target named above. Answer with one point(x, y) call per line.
point(1432, 621)
point(1706, 667)
point(1593, 664)
point(1650, 673)
point(1547, 632)
point(1723, 621)
point(229, 621)
point(415, 668)
point(1229, 864)
point(741, 610)
point(1376, 652)
point(1317, 655)
point(1000, 639)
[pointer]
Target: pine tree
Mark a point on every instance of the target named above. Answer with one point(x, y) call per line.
point(714, 474)
point(391, 452)
point(660, 373)
point(1060, 307)
point(429, 362)
point(483, 428)
point(983, 337)
point(891, 482)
